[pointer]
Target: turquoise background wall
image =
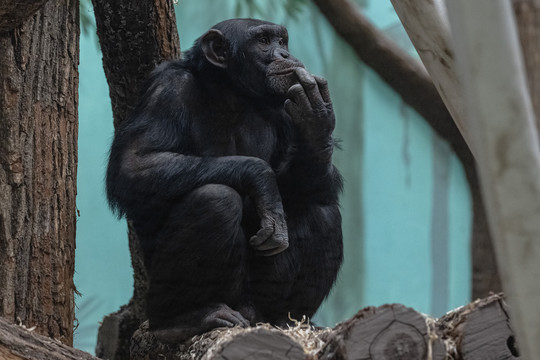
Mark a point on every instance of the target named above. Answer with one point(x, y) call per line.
point(406, 205)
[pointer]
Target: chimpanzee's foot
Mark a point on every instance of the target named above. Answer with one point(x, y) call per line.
point(199, 322)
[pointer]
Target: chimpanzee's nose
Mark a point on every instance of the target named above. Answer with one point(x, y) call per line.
point(281, 53)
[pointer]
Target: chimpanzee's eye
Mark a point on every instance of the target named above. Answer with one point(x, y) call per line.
point(264, 40)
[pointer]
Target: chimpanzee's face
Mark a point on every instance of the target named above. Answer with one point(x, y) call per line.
point(261, 62)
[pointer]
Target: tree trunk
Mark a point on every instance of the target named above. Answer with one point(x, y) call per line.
point(495, 90)
point(14, 13)
point(38, 167)
point(528, 22)
point(429, 32)
point(134, 38)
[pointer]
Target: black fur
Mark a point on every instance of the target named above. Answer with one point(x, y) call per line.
point(232, 194)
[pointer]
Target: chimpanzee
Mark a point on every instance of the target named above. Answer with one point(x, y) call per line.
point(224, 168)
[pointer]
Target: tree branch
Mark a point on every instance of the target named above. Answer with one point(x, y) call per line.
point(399, 70)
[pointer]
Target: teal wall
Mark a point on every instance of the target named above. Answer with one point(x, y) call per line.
point(102, 264)
point(406, 206)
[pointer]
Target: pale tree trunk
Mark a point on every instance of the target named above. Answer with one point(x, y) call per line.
point(38, 166)
point(134, 38)
point(528, 22)
point(427, 26)
point(504, 134)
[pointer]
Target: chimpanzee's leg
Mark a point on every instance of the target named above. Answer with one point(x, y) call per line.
point(270, 278)
point(297, 280)
point(197, 268)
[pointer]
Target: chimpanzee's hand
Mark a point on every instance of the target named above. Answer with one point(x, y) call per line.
point(310, 108)
point(273, 237)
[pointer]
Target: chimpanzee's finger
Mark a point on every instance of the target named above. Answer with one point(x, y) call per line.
point(291, 108)
point(297, 94)
point(323, 88)
point(310, 86)
point(274, 251)
point(262, 235)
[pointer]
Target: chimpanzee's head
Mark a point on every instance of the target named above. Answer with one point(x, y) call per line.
point(254, 54)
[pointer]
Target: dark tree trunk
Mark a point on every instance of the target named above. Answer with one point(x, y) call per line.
point(14, 13)
point(38, 167)
point(405, 75)
point(134, 38)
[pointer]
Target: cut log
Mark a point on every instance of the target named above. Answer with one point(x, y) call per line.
point(19, 343)
point(262, 342)
point(480, 330)
point(385, 333)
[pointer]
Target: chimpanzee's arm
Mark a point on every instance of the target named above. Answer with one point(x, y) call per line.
point(307, 173)
point(310, 186)
point(303, 178)
point(149, 176)
point(151, 163)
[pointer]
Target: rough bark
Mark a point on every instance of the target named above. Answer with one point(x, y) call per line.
point(14, 13)
point(18, 343)
point(38, 167)
point(134, 38)
point(409, 79)
point(528, 21)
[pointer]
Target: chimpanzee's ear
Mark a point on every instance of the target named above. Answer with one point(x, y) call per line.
point(215, 48)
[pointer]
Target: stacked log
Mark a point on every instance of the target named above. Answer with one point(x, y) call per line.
point(480, 330)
